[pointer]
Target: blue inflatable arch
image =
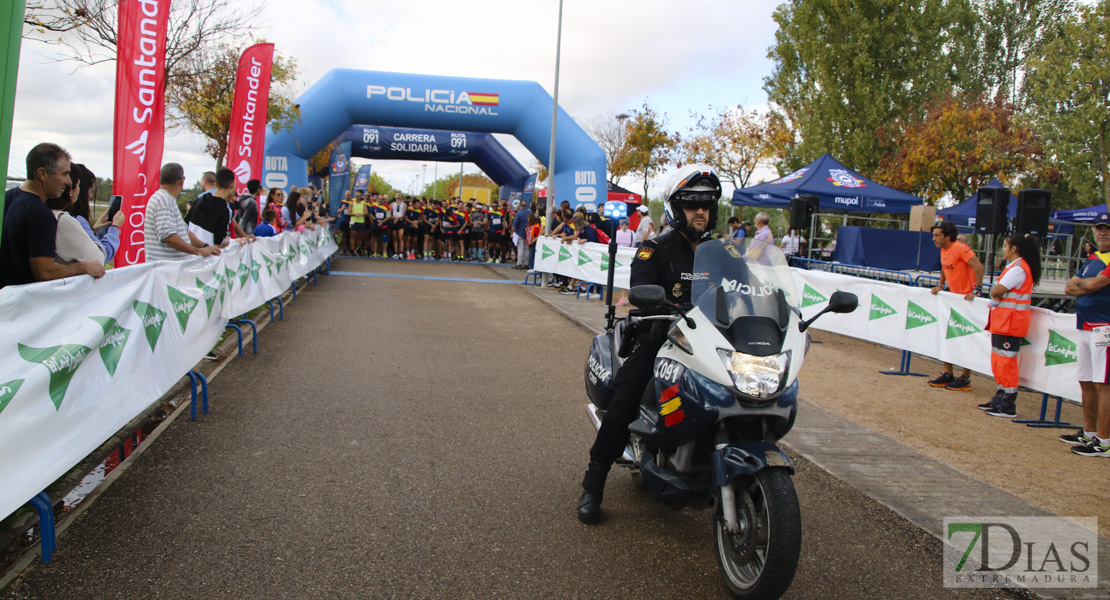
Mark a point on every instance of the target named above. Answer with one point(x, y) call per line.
point(404, 143)
point(344, 97)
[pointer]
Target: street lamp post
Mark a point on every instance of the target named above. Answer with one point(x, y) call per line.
point(423, 173)
point(554, 123)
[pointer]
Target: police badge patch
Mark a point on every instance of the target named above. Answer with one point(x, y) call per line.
point(645, 253)
point(677, 291)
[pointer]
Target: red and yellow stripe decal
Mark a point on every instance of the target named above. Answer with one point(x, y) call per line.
point(483, 99)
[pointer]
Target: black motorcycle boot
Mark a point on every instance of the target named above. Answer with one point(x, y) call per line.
point(593, 489)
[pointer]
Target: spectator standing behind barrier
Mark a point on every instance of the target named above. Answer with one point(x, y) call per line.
point(520, 236)
point(792, 243)
point(736, 229)
point(73, 243)
point(1008, 323)
point(167, 235)
point(535, 230)
point(210, 217)
point(104, 233)
point(266, 228)
point(27, 246)
point(646, 225)
point(1092, 315)
point(248, 206)
point(961, 270)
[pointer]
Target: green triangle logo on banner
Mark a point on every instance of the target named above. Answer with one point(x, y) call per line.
point(62, 362)
point(917, 316)
point(583, 258)
point(229, 277)
point(880, 309)
point(152, 321)
point(1024, 343)
point(7, 392)
point(546, 251)
point(254, 272)
point(1060, 351)
point(564, 253)
point(269, 264)
point(605, 264)
point(183, 305)
point(111, 347)
point(209, 292)
point(244, 272)
point(959, 326)
point(811, 296)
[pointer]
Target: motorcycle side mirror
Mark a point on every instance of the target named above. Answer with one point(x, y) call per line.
point(647, 296)
point(841, 302)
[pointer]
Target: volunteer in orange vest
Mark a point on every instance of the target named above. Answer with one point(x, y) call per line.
point(961, 270)
point(1008, 323)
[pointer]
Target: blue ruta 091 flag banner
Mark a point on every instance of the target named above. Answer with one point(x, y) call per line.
point(362, 178)
point(339, 175)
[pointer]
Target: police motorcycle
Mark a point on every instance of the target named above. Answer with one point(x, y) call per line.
point(724, 392)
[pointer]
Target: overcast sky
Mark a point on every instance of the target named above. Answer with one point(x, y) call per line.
point(678, 57)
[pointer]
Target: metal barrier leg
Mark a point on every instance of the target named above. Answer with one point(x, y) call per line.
point(294, 289)
point(1041, 422)
point(254, 334)
point(240, 332)
point(328, 270)
point(49, 536)
point(281, 308)
point(270, 304)
point(904, 367)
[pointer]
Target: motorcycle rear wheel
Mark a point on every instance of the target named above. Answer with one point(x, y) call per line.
point(759, 562)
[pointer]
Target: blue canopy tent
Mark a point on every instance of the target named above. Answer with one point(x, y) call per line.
point(1078, 215)
point(839, 189)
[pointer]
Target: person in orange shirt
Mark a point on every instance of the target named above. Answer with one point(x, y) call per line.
point(962, 271)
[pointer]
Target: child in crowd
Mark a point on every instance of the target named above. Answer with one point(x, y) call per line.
point(266, 228)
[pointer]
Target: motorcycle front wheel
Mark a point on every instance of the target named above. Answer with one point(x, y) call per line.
point(759, 561)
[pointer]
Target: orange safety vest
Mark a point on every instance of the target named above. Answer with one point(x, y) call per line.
point(1011, 316)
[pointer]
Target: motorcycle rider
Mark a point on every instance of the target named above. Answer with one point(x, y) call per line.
point(666, 260)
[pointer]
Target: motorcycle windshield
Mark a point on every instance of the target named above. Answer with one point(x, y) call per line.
point(754, 275)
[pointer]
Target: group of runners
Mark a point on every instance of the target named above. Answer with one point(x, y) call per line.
point(419, 228)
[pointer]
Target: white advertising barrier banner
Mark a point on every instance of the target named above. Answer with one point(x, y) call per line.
point(943, 326)
point(82, 357)
point(587, 261)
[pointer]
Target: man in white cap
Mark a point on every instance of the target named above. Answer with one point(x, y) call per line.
point(646, 225)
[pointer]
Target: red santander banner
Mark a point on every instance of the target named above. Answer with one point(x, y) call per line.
point(247, 133)
point(140, 118)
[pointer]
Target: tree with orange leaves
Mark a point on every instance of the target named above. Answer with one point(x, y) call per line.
point(958, 144)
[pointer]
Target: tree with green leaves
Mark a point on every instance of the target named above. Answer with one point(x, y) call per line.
point(610, 132)
point(845, 68)
point(1009, 32)
point(1068, 98)
point(650, 146)
point(735, 142)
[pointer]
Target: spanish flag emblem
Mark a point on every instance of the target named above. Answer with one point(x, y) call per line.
point(483, 99)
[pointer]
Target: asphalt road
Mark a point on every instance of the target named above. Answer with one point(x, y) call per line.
point(408, 438)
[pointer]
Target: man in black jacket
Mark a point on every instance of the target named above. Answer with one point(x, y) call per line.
point(668, 261)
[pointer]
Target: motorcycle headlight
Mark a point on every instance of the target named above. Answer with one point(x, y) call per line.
point(756, 376)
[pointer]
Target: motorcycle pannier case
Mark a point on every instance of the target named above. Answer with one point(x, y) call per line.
point(599, 372)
